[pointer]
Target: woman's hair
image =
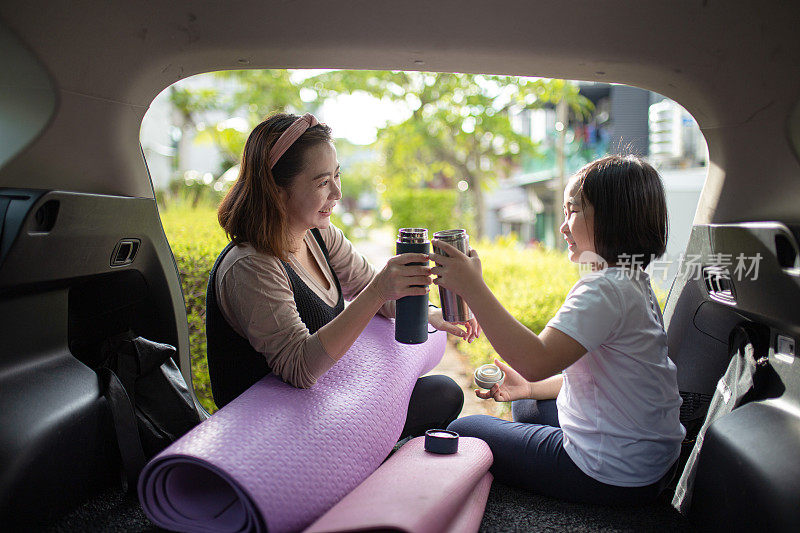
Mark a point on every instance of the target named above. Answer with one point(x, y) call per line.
point(630, 208)
point(252, 211)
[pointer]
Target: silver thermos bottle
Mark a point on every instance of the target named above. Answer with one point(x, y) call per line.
point(411, 315)
point(454, 308)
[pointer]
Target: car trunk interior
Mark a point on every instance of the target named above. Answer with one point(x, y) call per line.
point(83, 255)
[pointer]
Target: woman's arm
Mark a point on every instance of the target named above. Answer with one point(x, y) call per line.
point(471, 329)
point(352, 269)
point(535, 357)
point(256, 298)
point(396, 280)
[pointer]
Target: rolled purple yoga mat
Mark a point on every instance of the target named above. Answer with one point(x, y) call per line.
point(277, 457)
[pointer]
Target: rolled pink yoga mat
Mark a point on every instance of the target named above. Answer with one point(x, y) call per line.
point(418, 492)
point(470, 515)
point(277, 457)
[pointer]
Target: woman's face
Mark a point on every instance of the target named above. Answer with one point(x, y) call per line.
point(578, 226)
point(311, 197)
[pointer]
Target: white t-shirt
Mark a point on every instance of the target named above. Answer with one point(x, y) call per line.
point(619, 405)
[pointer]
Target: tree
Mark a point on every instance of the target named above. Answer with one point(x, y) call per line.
point(221, 109)
point(566, 97)
point(189, 104)
point(260, 93)
point(246, 95)
point(459, 126)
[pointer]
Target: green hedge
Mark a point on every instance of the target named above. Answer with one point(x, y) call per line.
point(195, 238)
point(435, 209)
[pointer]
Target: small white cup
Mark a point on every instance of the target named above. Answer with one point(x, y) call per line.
point(487, 375)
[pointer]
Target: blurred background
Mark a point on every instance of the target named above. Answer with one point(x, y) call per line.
point(490, 154)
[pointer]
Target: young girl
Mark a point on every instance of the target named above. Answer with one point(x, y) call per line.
point(595, 395)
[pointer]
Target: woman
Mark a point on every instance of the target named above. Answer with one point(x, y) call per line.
point(276, 295)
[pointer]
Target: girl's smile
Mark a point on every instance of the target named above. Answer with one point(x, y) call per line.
point(578, 226)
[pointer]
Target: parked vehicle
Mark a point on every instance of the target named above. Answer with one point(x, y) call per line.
point(83, 255)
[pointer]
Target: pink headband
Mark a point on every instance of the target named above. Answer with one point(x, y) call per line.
point(289, 136)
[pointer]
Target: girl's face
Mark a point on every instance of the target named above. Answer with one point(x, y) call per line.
point(578, 226)
point(311, 197)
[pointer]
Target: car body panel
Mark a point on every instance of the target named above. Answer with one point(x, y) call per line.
point(81, 77)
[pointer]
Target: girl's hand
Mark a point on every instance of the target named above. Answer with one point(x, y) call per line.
point(471, 330)
point(456, 271)
point(514, 386)
point(398, 279)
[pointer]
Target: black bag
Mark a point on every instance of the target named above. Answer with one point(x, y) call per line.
point(148, 397)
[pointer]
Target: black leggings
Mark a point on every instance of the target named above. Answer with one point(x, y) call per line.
point(435, 402)
point(529, 453)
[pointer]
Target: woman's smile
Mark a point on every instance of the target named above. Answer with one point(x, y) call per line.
point(318, 186)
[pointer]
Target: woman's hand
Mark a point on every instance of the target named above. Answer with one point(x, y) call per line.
point(398, 279)
point(456, 271)
point(471, 330)
point(514, 386)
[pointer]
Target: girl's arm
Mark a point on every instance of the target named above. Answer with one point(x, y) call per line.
point(535, 357)
point(547, 389)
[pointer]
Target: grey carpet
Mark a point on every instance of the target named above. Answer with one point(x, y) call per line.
point(513, 510)
point(112, 511)
point(507, 510)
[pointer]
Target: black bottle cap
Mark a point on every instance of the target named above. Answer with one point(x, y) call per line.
point(441, 441)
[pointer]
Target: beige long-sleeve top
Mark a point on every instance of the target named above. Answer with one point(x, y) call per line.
point(256, 298)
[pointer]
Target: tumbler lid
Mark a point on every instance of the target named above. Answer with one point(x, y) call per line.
point(441, 441)
point(487, 375)
point(450, 234)
point(413, 235)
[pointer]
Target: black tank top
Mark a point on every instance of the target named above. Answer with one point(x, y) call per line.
point(233, 364)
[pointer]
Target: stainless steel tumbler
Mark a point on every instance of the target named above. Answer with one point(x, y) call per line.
point(411, 315)
point(454, 308)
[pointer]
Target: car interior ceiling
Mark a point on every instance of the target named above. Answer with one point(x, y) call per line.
point(75, 190)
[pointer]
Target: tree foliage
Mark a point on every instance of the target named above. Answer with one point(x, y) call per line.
point(459, 126)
